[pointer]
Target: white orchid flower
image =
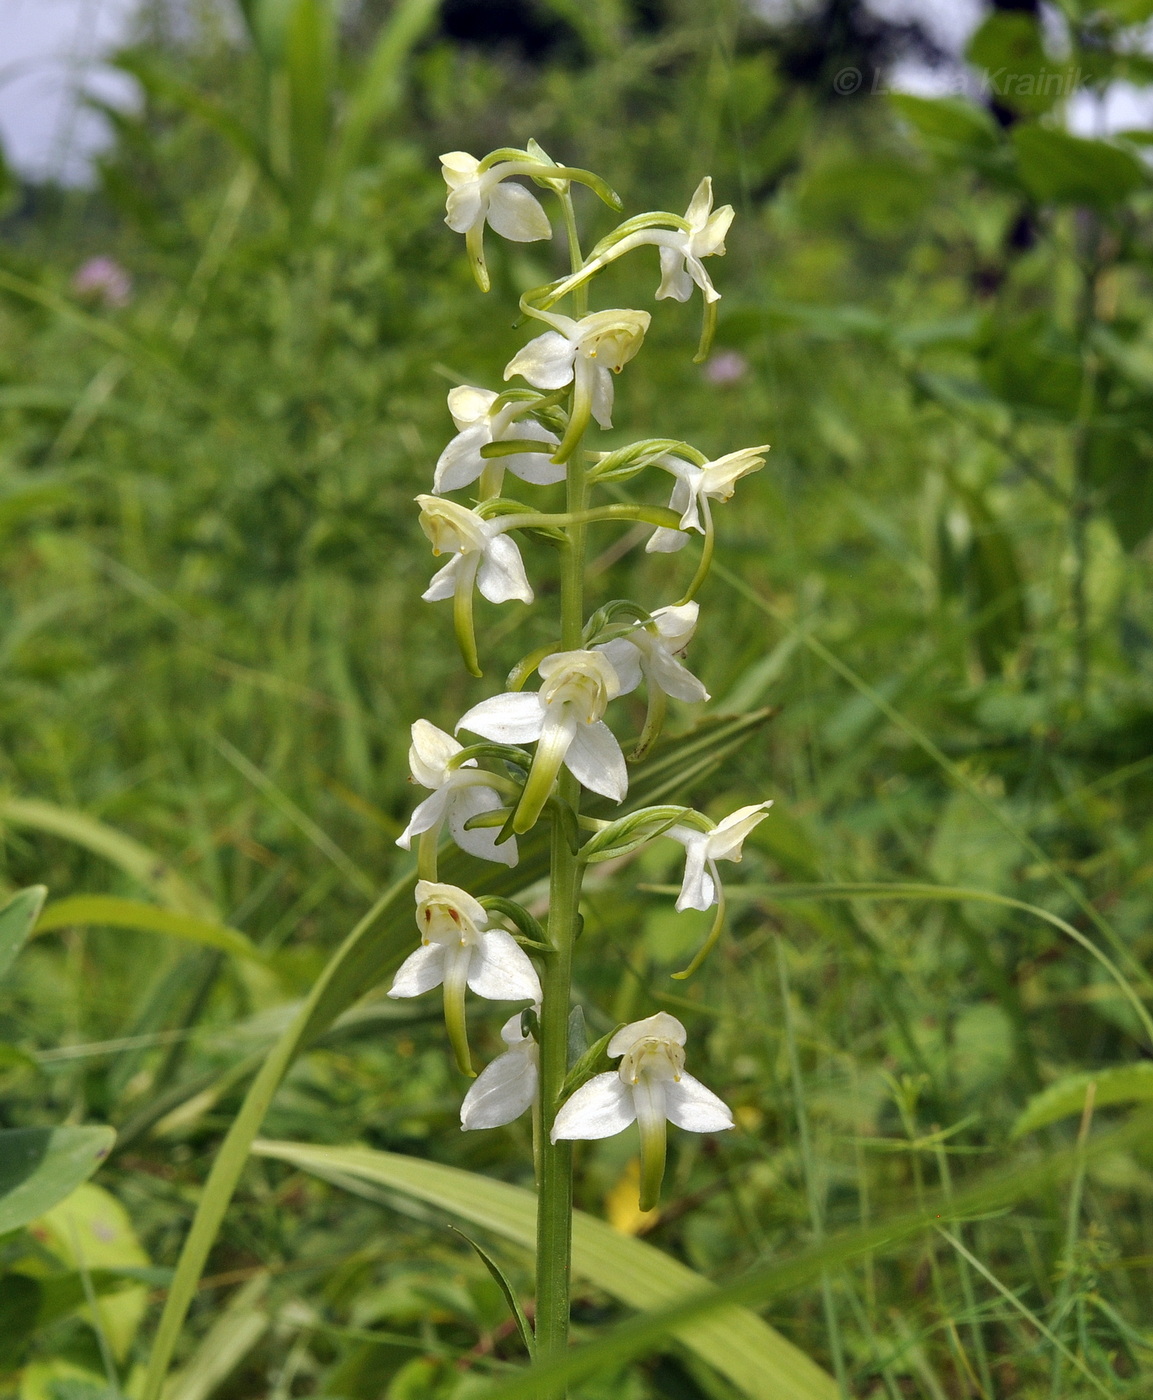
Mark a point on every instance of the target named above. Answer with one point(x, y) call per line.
point(507, 1087)
point(459, 950)
point(649, 1088)
point(480, 423)
point(702, 881)
point(696, 486)
point(681, 254)
point(483, 556)
point(564, 719)
point(654, 651)
point(477, 197)
point(581, 353)
point(458, 794)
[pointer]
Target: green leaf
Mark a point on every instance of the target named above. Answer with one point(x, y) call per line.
point(1058, 168)
point(40, 1166)
point(16, 920)
point(150, 871)
point(948, 125)
point(309, 68)
point(523, 1326)
point(113, 912)
point(1117, 1084)
point(1020, 75)
point(747, 1351)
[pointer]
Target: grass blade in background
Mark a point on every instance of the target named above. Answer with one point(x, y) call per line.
point(745, 1350)
point(114, 912)
point(16, 920)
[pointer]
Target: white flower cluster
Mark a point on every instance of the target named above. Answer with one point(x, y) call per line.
point(464, 945)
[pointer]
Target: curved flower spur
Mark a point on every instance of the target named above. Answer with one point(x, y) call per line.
point(538, 433)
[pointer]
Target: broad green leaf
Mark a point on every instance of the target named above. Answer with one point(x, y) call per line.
point(735, 1342)
point(40, 1166)
point(16, 919)
point(1019, 73)
point(113, 912)
point(148, 869)
point(1061, 169)
point(369, 953)
point(759, 1286)
point(90, 1229)
point(948, 125)
point(1117, 1084)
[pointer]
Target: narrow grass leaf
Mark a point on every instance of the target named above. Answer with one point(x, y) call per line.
point(114, 912)
point(1115, 1084)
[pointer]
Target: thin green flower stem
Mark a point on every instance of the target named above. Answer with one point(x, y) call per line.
point(650, 515)
point(967, 1291)
point(706, 562)
point(554, 1195)
point(576, 257)
point(1072, 1230)
point(816, 1215)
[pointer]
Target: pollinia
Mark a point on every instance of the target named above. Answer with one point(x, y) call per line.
point(542, 745)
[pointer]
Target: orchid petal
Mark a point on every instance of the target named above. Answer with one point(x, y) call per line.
point(468, 405)
point(461, 463)
point(471, 801)
point(599, 1109)
point(667, 673)
point(701, 204)
point(501, 971)
point(675, 281)
point(726, 841)
point(663, 541)
point(595, 759)
point(660, 1026)
point(443, 582)
point(516, 717)
point(502, 576)
point(602, 395)
point(515, 214)
point(546, 362)
point(420, 972)
point(691, 1106)
point(502, 1091)
point(626, 662)
point(431, 812)
point(430, 752)
point(698, 890)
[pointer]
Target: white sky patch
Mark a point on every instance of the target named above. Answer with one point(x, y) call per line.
point(51, 52)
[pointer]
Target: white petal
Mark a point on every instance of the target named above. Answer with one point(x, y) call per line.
point(466, 802)
point(726, 841)
point(546, 361)
point(430, 812)
point(465, 207)
point(461, 463)
point(701, 204)
point(710, 241)
point(419, 972)
point(598, 1109)
point(456, 166)
point(691, 1106)
point(502, 1091)
point(469, 405)
point(676, 624)
point(669, 675)
point(501, 971)
point(602, 396)
point(697, 888)
point(443, 582)
point(661, 1026)
point(696, 270)
point(429, 753)
point(626, 662)
point(675, 281)
point(685, 498)
point(514, 213)
point(663, 541)
point(536, 468)
point(595, 759)
point(502, 576)
point(516, 717)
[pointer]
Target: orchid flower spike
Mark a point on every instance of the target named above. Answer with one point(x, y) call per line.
point(459, 950)
point(477, 197)
point(651, 651)
point(564, 719)
point(458, 794)
point(702, 881)
point(695, 486)
point(481, 421)
point(649, 1087)
point(581, 353)
point(508, 1086)
point(483, 555)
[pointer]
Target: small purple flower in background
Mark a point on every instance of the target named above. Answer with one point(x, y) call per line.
point(726, 367)
point(103, 279)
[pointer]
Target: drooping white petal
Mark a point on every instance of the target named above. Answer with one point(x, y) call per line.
point(685, 496)
point(546, 362)
point(427, 815)
point(461, 463)
point(443, 583)
point(669, 675)
point(599, 1109)
point(501, 576)
point(471, 801)
point(430, 752)
point(696, 271)
point(675, 281)
point(601, 395)
point(697, 889)
point(663, 541)
point(691, 1106)
point(626, 662)
point(676, 624)
point(420, 972)
point(465, 207)
point(501, 971)
point(516, 717)
point(595, 759)
point(515, 214)
point(534, 467)
point(726, 841)
point(502, 1091)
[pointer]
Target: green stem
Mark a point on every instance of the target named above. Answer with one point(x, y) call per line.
point(554, 1199)
point(651, 515)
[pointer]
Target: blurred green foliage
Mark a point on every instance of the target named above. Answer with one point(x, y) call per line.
point(938, 312)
